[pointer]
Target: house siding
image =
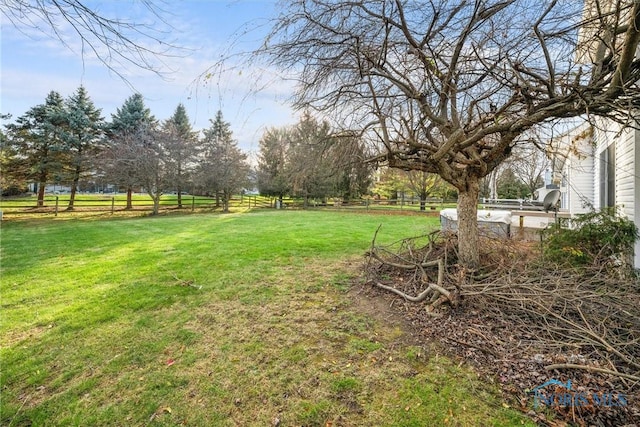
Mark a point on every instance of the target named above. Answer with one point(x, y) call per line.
point(574, 162)
point(584, 172)
point(627, 172)
point(636, 208)
point(580, 171)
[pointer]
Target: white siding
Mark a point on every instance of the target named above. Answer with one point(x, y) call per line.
point(601, 140)
point(636, 213)
point(626, 173)
point(582, 169)
point(575, 149)
point(580, 173)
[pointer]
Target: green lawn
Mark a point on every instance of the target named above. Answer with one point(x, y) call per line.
point(214, 320)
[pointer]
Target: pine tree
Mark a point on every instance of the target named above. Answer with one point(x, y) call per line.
point(127, 132)
point(83, 135)
point(224, 169)
point(132, 117)
point(309, 169)
point(272, 163)
point(180, 140)
point(38, 137)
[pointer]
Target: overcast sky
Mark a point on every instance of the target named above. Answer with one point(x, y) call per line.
point(33, 64)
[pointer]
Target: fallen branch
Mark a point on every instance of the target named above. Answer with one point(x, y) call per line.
point(377, 257)
point(418, 298)
point(592, 369)
point(440, 294)
point(183, 282)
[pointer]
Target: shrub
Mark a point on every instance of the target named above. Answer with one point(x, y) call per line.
point(595, 238)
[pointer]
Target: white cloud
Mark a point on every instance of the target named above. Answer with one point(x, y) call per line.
point(33, 65)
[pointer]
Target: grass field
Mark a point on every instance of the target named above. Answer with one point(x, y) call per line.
point(215, 320)
point(21, 207)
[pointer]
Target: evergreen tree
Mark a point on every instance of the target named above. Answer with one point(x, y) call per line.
point(38, 138)
point(127, 132)
point(180, 145)
point(308, 161)
point(224, 169)
point(510, 186)
point(132, 117)
point(308, 169)
point(13, 176)
point(83, 135)
point(272, 163)
point(351, 174)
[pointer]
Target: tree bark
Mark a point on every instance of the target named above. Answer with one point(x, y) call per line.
point(74, 188)
point(468, 224)
point(156, 204)
point(225, 202)
point(129, 203)
point(41, 185)
point(423, 201)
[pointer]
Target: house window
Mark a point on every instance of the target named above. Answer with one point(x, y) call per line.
point(608, 176)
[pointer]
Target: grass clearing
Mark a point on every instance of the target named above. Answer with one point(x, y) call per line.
point(207, 320)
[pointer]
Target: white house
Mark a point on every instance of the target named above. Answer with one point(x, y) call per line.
point(599, 166)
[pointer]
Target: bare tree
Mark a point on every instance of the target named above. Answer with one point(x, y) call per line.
point(153, 162)
point(424, 184)
point(129, 128)
point(117, 42)
point(139, 159)
point(449, 87)
point(530, 164)
point(308, 170)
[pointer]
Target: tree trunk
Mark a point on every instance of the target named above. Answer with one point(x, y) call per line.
point(423, 201)
point(394, 198)
point(156, 204)
point(74, 188)
point(41, 186)
point(468, 224)
point(129, 203)
point(179, 185)
point(225, 202)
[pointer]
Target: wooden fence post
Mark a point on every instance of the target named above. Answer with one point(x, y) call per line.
point(193, 203)
point(56, 206)
point(113, 202)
